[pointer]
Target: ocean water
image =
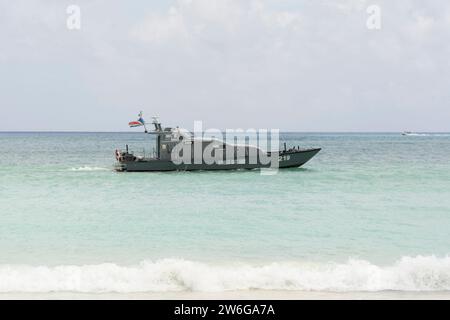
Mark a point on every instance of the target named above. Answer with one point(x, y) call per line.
point(371, 212)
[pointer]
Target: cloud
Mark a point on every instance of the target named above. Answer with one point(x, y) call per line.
point(213, 20)
point(296, 65)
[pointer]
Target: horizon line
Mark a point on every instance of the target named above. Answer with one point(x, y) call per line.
point(281, 131)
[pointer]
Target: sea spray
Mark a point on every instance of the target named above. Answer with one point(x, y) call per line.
point(87, 168)
point(421, 273)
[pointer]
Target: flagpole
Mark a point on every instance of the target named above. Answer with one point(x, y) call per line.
point(143, 122)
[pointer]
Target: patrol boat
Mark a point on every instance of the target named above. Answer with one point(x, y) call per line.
point(169, 138)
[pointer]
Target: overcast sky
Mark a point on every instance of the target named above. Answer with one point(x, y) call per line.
point(298, 65)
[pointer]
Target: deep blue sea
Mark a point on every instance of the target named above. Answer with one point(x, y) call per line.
point(370, 212)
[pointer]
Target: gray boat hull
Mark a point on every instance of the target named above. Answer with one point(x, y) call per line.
point(289, 159)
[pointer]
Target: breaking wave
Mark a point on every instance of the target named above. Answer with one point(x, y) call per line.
point(89, 169)
point(408, 274)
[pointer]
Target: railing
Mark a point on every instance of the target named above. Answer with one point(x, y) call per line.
point(143, 153)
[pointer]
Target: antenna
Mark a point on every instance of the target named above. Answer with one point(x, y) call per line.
point(156, 123)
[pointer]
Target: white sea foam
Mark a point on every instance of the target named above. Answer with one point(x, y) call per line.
point(408, 274)
point(429, 134)
point(89, 169)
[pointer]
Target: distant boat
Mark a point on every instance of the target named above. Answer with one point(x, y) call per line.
point(409, 133)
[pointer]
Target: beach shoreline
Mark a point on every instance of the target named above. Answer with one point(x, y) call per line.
point(233, 295)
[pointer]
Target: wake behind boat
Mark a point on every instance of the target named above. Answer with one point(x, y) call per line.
point(416, 134)
point(176, 151)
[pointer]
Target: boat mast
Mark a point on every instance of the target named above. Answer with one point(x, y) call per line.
point(158, 130)
point(156, 123)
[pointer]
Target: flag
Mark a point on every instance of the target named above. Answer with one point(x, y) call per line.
point(134, 124)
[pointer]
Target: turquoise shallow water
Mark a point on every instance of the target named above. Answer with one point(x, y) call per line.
point(365, 202)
